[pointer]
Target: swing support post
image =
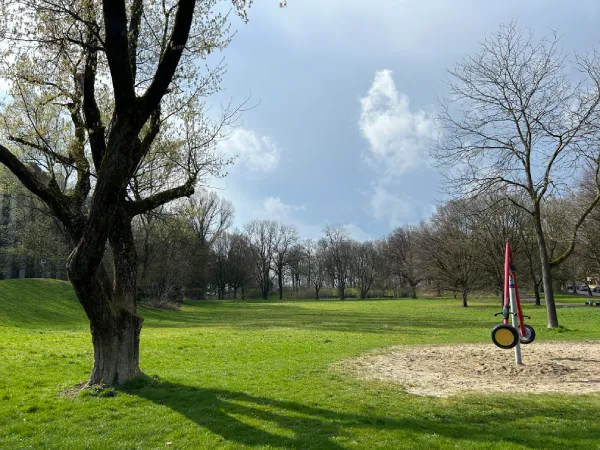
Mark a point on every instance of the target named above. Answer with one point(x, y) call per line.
point(515, 320)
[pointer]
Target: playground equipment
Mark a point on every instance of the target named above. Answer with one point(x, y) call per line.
point(510, 335)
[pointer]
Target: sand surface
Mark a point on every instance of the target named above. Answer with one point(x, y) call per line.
point(442, 371)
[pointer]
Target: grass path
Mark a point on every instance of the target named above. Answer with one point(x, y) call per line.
point(257, 375)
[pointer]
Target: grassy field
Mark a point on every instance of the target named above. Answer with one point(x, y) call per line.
point(257, 375)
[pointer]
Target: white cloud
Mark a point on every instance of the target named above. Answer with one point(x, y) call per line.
point(274, 208)
point(398, 138)
point(393, 208)
point(357, 233)
point(256, 153)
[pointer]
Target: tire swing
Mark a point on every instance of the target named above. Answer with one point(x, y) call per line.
point(529, 335)
point(505, 336)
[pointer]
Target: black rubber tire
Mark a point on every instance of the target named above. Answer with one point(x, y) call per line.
point(511, 329)
point(530, 335)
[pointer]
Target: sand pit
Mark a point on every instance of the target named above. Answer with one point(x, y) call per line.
point(442, 371)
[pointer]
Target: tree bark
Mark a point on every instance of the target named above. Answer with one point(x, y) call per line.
point(546, 272)
point(122, 244)
point(116, 339)
point(317, 293)
point(116, 349)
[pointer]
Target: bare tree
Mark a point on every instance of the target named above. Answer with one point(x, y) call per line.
point(317, 270)
point(514, 121)
point(240, 263)
point(209, 216)
point(262, 237)
point(285, 238)
point(365, 260)
point(448, 250)
point(297, 260)
point(220, 263)
point(338, 251)
point(402, 253)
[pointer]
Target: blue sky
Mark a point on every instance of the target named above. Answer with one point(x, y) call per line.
point(347, 90)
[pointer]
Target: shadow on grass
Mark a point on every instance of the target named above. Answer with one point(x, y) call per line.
point(252, 420)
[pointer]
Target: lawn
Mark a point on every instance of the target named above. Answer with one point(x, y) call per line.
point(257, 375)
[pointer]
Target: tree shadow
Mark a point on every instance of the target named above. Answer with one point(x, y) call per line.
point(252, 420)
point(278, 423)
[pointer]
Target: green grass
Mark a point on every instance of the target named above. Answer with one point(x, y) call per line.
point(257, 375)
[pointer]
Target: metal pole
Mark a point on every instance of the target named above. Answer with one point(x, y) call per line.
point(515, 321)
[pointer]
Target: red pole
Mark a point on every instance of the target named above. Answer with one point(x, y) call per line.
point(506, 273)
point(519, 310)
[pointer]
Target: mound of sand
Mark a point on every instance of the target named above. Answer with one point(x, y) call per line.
point(441, 371)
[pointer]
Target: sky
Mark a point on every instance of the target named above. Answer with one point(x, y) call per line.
point(345, 93)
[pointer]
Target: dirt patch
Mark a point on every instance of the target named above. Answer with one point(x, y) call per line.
point(442, 371)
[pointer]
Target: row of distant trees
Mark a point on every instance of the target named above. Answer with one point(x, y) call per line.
point(459, 250)
point(191, 250)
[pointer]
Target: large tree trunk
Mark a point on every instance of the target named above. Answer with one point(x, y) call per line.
point(116, 340)
point(317, 293)
point(413, 288)
point(465, 293)
point(546, 273)
point(116, 349)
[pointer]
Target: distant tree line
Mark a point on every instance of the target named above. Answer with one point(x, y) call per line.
point(190, 250)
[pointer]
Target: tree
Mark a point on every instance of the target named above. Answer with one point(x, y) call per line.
point(317, 268)
point(33, 242)
point(448, 250)
point(365, 260)
point(220, 264)
point(297, 259)
point(402, 253)
point(209, 216)
point(513, 121)
point(240, 263)
point(165, 247)
point(285, 238)
point(93, 86)
point(262, 237)
point(338, 251)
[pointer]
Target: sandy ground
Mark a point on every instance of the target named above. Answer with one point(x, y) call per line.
point(442, 371)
